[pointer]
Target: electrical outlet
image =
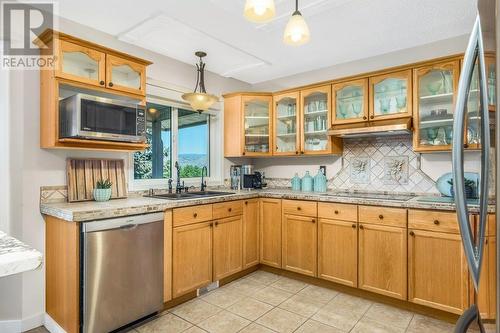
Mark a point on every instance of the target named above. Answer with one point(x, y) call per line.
point(323, 169)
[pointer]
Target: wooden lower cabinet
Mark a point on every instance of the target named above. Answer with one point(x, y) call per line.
point(192, 257)
point(382, 260)
point(270, 232)
point(486, 298)
point(437, 271)
point(228, 246)
point(167, 256)
point(250, 233)
point(338, 251)
point(299, 242)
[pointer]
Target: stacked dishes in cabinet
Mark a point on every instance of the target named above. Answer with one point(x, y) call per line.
point(390, 97)
point(436, 107)
point(257, 126)
point(349, 103)
point(315, 122)
point(286, 125)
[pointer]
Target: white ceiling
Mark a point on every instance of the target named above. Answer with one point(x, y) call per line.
point(341, 30)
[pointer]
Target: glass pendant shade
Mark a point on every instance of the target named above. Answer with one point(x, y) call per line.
point(259, 11)
point(200, 101)
point(296, 31)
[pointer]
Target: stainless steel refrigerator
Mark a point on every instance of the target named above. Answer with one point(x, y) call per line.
point(476, 110)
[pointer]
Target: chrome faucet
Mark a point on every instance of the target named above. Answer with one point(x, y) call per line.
point(178, 186)
point(203, 186)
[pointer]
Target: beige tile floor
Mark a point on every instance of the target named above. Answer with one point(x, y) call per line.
point(263, 302)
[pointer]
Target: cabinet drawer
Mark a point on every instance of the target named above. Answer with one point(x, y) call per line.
point(193, 214)
point(296, 207)
point(227, 209)
point(433, 220)
point(382, 215)
point(338, 211)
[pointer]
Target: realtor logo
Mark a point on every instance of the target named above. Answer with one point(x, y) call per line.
point(22, 23)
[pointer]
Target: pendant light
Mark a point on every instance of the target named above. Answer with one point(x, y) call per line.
point(199, 100)
point(259, 11)
point(296, 31)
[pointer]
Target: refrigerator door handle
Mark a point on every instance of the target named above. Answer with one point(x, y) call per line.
point(473, 247)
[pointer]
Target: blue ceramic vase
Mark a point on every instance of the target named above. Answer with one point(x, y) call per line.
point(320, 182)
point(307, 183)
point(296, 183)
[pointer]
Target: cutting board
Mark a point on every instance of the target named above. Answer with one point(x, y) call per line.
point(83, 175)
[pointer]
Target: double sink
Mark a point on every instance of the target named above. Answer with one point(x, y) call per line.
point(189, 195)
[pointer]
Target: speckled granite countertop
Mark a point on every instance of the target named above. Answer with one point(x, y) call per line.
point(17, 257)
point(91, 210)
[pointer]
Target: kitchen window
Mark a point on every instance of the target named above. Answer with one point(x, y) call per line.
point(173, 134)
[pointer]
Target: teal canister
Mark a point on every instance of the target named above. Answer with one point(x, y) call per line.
point(320, 182)
point(307, 183)
point(296, 183)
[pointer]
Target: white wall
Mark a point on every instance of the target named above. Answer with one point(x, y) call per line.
point(22, 297)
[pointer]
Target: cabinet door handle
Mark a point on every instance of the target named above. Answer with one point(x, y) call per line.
point(353, 226)
point(216, 223)
point(298, 208)
point(195, 215)
point(371, 117)
point(296, 152)
point(364, 117)
point(246, 202)
point(111, 84)
point(336, 212)
point(436, 222)
point(361, 227)
point(313, 220)
point(412, 233)
point(381, 216)
point(101, 83)
point(211, 225)
point(243, 153)
point(229, 209)
point(486, 241)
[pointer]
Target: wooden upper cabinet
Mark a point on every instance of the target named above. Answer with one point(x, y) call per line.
point(125, 75)
point(286, 124)
point(382, 260)
point(437, 271)
point(390, 95)
point(350, 102)
point(315, 106)
point(257, 125)
point(81, 63)
point(250, 233)
point(434, 94)
point(228, 246)
point(492, 81)
point(338, 251)
point(300, 244)
point(270, 232)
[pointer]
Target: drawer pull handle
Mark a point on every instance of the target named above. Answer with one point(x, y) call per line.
point(229, 209)
point(436, 222)
point(246, 202)
point(353, 226)
point(313, 221)
point(298, 208)
point(195, 215)
point(412, 233)
point(361, 227)
point(336, 212)
point(381, 216)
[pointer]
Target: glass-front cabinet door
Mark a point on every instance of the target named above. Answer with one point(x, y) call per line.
point(315, 117)
point(435, 91)
point(286, 120)
point(390, 96)
point(257, 125)
point(82, 64)
point(491, 80)
point(125, 75)
point(350, 102)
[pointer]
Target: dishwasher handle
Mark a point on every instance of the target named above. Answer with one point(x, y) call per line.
point(127, 222)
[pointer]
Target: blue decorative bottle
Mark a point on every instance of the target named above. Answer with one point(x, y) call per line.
point(296, 183)
point(307, 183)
point(320, 182)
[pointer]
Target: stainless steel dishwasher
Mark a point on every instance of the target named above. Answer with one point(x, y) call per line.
point(122, 271)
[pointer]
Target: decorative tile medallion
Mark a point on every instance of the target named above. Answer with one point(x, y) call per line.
point(395, 170)
point(360, 170)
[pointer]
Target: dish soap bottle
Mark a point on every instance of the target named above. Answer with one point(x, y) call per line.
point(320, 182)
point(307, 183)
point(296, 182)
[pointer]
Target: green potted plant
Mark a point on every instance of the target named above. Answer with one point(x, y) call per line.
point(102, 190)
point(470, 188)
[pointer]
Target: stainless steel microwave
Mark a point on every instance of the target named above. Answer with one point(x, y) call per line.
point(92, 117)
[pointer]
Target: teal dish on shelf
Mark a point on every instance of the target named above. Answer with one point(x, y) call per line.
point(446, 189)
point(296, 183)
point(319, 182)
point(307, 183)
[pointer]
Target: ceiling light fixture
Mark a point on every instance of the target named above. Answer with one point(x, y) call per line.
point(259, 11)
point(296, 31)
point(200, 101)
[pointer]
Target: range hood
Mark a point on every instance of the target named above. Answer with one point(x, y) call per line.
point(375, 128)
